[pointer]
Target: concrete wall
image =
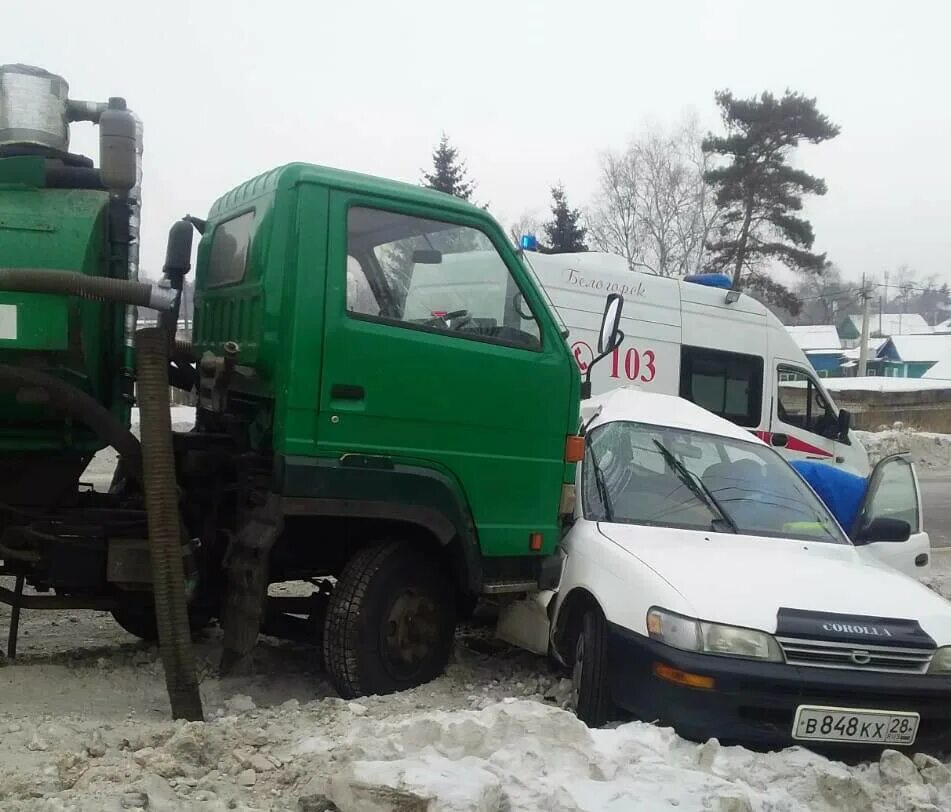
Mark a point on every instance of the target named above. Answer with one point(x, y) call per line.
point(926, 410)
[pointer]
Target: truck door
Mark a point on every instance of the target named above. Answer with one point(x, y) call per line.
point(803, 424)
point(893, 493)
point(471, 384)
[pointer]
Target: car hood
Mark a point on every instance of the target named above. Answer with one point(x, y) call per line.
point(745, 580)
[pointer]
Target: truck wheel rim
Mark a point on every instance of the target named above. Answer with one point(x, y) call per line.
point(410, 633)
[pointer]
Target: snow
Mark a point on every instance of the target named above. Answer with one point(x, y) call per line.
point(890, 324)
point(928, 449)
point(940, 371)
point(815, 336)
point(921, 348)
point(874, 383)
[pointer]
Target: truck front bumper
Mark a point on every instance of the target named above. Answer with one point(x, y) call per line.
point(754, 703)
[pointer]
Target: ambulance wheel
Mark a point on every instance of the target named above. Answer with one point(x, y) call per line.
point(589, 674)
point(390, 622)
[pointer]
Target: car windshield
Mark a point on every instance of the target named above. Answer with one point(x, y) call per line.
point(636, 473)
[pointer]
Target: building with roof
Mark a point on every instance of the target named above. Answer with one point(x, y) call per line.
point(940, 371)
point(881, 324)
point(821, 345)
point(911, 356)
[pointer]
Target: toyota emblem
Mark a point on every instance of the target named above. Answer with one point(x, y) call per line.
point(860, 657)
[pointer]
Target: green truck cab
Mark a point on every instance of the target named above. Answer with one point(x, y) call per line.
point(403, 447)
point(417, 457)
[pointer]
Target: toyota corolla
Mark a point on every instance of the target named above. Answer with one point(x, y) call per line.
point(706, 586)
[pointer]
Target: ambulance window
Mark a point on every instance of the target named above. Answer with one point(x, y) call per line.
point(726, 383)
point(800, 403)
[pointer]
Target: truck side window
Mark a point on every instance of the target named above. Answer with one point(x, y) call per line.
point(800, 403)
point(728, 384)
point(433, 275)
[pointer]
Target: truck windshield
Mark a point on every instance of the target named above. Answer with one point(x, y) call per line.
point(637, 473)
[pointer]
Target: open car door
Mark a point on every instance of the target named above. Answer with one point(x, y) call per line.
point(893, 493)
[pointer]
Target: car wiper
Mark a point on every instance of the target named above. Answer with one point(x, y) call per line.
point(602, 487)
point(697, 488)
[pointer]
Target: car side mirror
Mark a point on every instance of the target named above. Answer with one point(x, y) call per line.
point(883, 528)
point(845, 424)
point(609, 338)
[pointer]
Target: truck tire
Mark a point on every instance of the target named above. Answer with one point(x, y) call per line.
point(390, 622)
point(589, 675)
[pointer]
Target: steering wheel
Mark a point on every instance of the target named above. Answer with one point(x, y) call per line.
point(443, 321)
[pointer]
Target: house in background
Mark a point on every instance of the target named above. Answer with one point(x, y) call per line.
point(850, 358)
point(821, 345)
point(943, 327)
point(911, 356)
point(881, 324)
point(940, 371)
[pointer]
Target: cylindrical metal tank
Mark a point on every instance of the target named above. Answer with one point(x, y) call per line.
point(33, 108)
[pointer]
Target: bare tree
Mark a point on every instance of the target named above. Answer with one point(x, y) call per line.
point(653, 207)
point(613, 219)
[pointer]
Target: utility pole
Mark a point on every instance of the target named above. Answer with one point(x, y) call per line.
point(863, 346)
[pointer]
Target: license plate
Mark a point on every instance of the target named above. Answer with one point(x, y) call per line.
point(862, 725)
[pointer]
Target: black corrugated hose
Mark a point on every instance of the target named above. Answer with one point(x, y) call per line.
point(161, 502)
point(44, 280)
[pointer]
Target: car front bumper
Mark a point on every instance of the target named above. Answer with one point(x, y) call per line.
point(754, 703)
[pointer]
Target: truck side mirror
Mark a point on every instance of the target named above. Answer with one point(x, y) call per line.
point(883, 528)
point(845, 424)
point(609, 338)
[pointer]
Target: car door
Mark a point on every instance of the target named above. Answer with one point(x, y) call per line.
point(453, 372)
point(803, 424)
point(893, 493)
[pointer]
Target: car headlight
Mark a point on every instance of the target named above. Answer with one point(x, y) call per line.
point(941, 662)
point(713, 638)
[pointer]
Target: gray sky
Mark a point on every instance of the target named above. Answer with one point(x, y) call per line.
point(529, 92)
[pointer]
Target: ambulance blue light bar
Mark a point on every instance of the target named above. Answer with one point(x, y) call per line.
point(529, 242)
point(711, 280)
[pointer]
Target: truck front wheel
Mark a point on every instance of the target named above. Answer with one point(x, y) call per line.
point(390, 621)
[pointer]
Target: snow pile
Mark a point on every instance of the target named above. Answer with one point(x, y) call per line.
point(379, 755)
point(928, 450)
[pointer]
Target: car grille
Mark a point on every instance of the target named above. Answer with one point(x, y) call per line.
point(828, 654)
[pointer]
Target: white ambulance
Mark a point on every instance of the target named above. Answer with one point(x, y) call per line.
point(718, 348)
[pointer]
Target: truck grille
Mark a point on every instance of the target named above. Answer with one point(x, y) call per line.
point(855, 656)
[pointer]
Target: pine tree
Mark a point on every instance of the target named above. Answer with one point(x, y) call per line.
point(563, 232)
point(758, 191)
point(449, 171)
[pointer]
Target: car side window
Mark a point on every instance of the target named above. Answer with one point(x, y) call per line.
point(892, 494)
point(800, 403)
point(436, 276)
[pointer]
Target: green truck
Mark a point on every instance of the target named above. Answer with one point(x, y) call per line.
point(404, 463)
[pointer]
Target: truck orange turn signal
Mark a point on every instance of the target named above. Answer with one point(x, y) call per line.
point(535, 542)
point(675, 675)
point(574, 448)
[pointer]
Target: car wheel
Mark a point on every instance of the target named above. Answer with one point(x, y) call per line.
point(589, 674)
point(390, 622)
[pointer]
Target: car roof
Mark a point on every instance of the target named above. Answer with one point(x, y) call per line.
point(633, 404)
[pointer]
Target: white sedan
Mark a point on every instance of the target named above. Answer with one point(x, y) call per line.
point(703, 584)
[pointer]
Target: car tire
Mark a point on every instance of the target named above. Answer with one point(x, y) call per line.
point(589, 675)
point(390, 622)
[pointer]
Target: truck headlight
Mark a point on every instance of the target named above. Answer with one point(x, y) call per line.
point(712, 638)
point(941, 662)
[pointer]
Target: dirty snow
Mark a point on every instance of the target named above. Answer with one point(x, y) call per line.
point(928, 450)
point(85, 726)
